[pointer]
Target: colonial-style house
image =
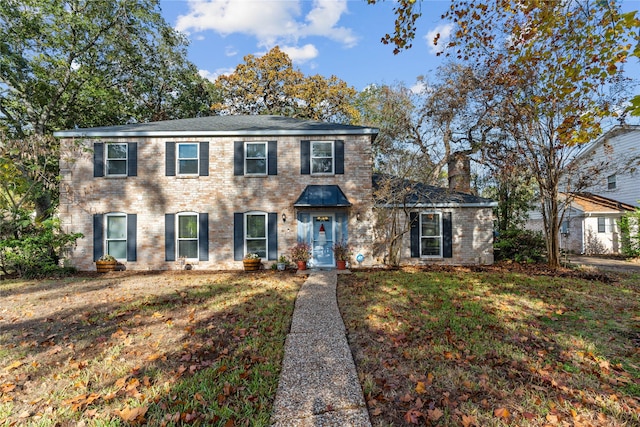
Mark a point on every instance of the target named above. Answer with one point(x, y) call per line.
point(206, 191)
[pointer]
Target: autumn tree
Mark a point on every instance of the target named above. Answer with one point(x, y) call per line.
point(557, 62)
point(269, 84)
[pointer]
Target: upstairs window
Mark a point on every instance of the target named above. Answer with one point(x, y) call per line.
point(322, 157)
point(255, 158)
point(611, 182)
point(188, 159)
point(116, 159)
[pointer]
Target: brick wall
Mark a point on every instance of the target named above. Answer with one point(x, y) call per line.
point(151, 195)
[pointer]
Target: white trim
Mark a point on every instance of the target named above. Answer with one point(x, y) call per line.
point(197, 159)
point(266, 158)
point(107, 159)
point(439, 236)
point(178, 238)
point(333, 157)
point(106, 239)
point(266, 231)
point(87, 133)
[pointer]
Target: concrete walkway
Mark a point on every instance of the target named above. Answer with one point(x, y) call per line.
point(318, 385)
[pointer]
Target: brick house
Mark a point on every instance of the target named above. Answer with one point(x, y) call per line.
point(206, 191)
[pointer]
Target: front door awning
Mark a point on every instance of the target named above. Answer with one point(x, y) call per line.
point(317, 196)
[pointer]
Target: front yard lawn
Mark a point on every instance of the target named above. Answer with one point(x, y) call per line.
point(458, 347)
point(165, 349)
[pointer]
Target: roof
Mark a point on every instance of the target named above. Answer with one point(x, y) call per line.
point(589, 202)
point(418, 195)
point(322, 196)
point(247, 125)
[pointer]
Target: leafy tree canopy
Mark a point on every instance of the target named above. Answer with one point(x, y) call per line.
point(271, 85)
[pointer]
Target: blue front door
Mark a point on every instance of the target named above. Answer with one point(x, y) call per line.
point(323, 232)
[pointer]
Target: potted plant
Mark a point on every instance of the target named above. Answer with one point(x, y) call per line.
point(300, 254)
point(282, 263)
point(342, 254)
point(251, 262)
point(106, 263)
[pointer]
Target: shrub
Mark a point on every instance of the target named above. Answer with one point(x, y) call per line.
point(520, 246)
point(630, 233)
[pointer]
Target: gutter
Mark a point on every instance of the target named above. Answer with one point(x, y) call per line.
point(80, 133)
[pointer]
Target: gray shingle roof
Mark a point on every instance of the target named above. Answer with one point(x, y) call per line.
point(222, 126)
point(414, 194)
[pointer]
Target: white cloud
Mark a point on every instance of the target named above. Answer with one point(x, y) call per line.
point(445, 34)
point(300, 54)
point(271, 22)
point(212, 76)
point(230, 51)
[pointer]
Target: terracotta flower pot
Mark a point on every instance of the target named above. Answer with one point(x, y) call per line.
point(302, 265)
point(342, 265)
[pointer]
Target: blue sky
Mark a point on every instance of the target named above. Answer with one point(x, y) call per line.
point(326, 37)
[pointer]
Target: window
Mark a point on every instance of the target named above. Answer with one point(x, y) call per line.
point(256, 158)
point(602, 227)
point(187, 235)
point(564, 227)
point(116, 235)
point(116, 159)
point(321, 157)
point(430, 235)
point(188, 159)
point(256, 234)
point(611, 182)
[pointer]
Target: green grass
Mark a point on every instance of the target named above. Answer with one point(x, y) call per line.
point(456, 347)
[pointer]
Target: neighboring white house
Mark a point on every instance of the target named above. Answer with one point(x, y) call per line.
point(609, 187)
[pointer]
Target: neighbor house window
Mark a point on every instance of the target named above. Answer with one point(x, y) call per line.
point(256, 158)
point(188, 160)
point(564, 227)
point(430, 235)
point(255, 235)
point(322, 157)
point(116, 235)
point(602, 227)
point(187, 235)
point(116, 159)
point(611, 182)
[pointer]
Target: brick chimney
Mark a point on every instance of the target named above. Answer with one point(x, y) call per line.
point(459, 171)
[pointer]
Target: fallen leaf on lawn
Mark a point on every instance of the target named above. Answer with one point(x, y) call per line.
point(420, 388)
point(468, 421)
point(435, 414)
point(412, 416)
point(406, 398)
point(154, 356)
point(14, 365)
point(430, 378)
point(132, 414)
point(376, 412)
point(501, 413)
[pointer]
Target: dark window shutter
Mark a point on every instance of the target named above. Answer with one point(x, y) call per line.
point(170, 166)
point(272, 236)
point(238, 158)
point(305, 157)
point(98, 159)
point(98, 236)
point(132, 154)
point(339, 153)
point(204, 159)
point(272, 157)
point(238, 236)
point(203, 236)
point(170, 237)
point(447, 235)
point(132, 226)
point(414, 221)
